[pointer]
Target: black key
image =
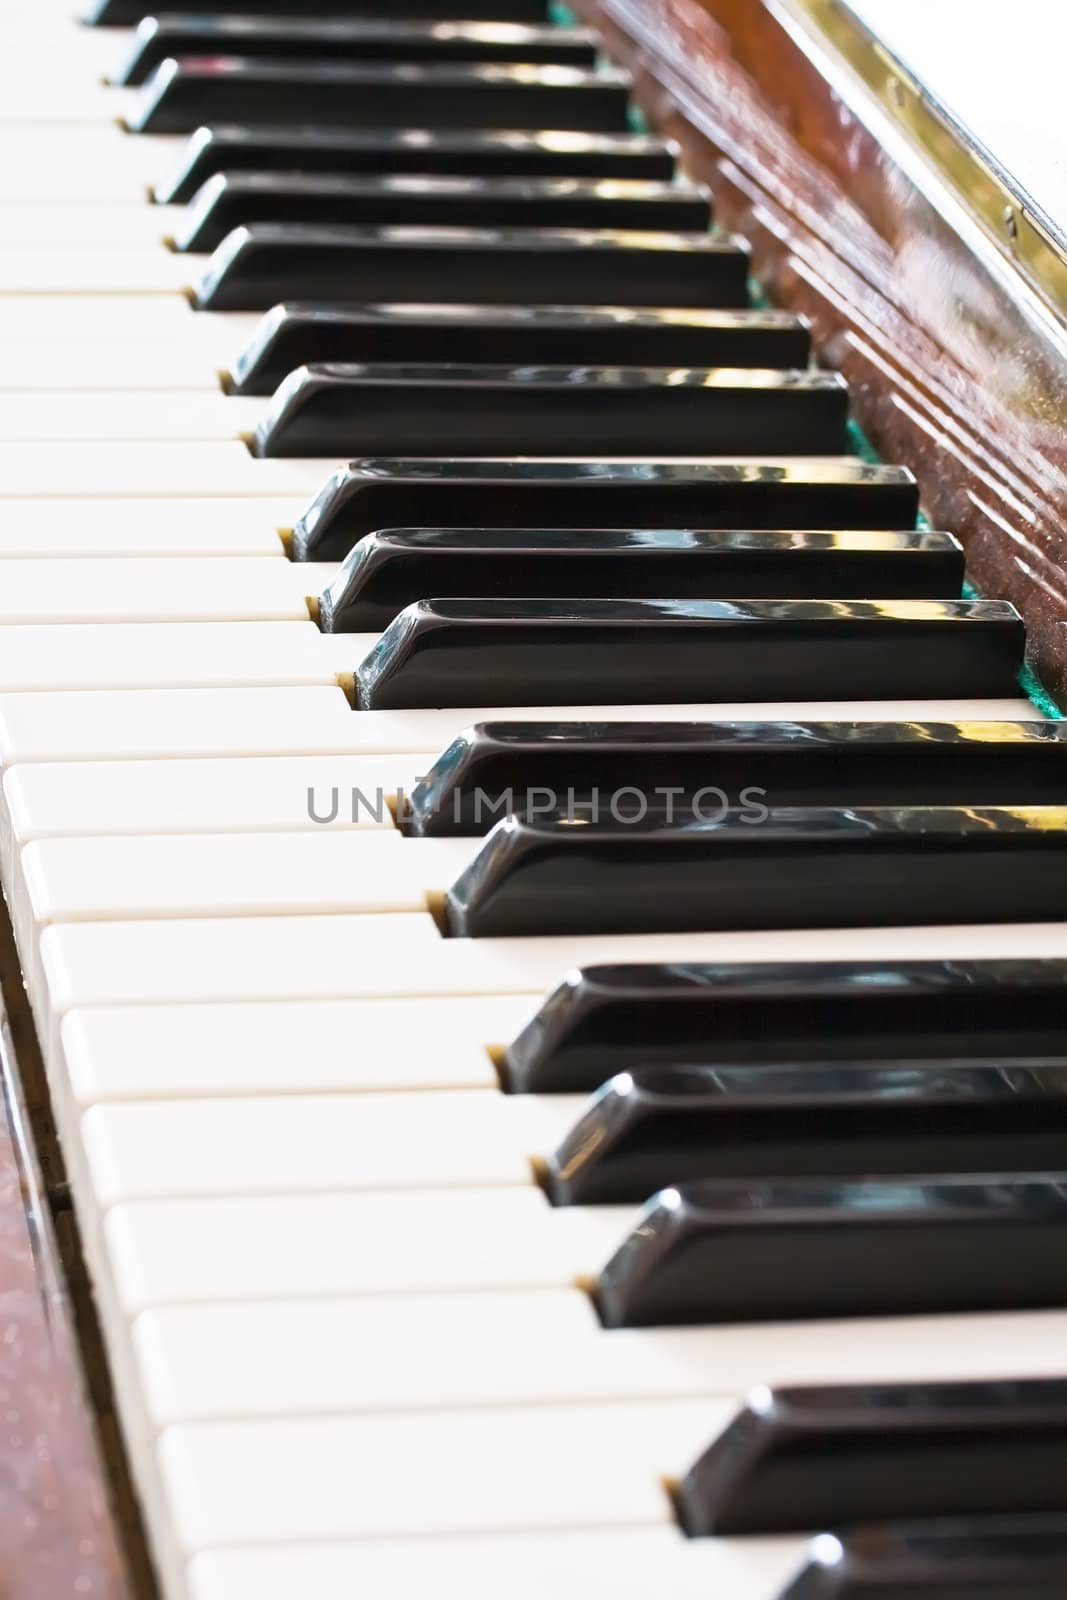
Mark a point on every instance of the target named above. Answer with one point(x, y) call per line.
point(534, 652)
point(797, 1248)
point(532, 411)
point(256, 267)
point(659, 1126)
point(232, 199)
point(367, 495)
point(292, 38)
point(860, 868)
point(799, 1459)
point(984, 1558)
point(121, 13)
point(292, 336)
point(485, 154)
point(181, 95)
point(603, 1020)
point(704, 769)
point(387, 571)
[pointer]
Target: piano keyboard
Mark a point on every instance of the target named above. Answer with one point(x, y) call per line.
point(450, 647)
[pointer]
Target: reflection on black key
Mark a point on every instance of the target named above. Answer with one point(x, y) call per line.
point(180, 95)
point(232, 199)
point(691, 768)
point(981, 1558)
point(367, 495)
point(531, 411)
point(291, 336)
point(660, 1126)
point(814, 1458)
point(534, 652)
point(294, 38)
point(387, 571)
point(122, 13)
point(760, 868)
point(485, 154)
point(603, 1020)
point(258, 266)
point(796, 1248)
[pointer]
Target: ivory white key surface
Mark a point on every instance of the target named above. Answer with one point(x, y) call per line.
point(236, 874)
point(264, 958)
point(140, 529)
point(88, 227)
point(200, 469)
point(79, 725)
point(34, 368)
point(129, 269)
point(169, 1052)
point(314, 1143)
point(324, 793)
point(381, 1243)
point(207, 1363)
point(130, 321)
point(160, 590)
point(328, 1478)
point(107, 416)
point(622, 1564)
point(29, 103)
point(175, 655)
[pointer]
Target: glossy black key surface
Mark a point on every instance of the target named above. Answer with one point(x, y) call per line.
point(387, 571)
point(794, 1248)
point(291, 336)
point(293, 38)
point(257, 267)
point(608, 1019)
point(659, 1126)
point(369, 494)
point(181, 95)
point(798, 1459)
point(233, 199)
point(532, 411)
point(474, 153)
point(699, 768)
point(982, 1558)
point(373, 494)
point(123, 13)
point(864, 867)
point(534, 652)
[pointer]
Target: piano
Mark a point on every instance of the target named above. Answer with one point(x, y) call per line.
point(534, 821)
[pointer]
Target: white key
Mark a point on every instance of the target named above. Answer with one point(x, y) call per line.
point(302, 1246)
point(176, 1052)
point(107, 725)
point(311, 1144)
point(124, 270)
point(106, 416)
point(314, 872)
point(29, 102)
point(623, 1564)
point(365, 957)
point(439, 1352)
point(113, 725)
point(42, 367)
point(57, 799)
point(200, 470)
point(159, 590)
point(130, 323)
point(89, 227)
point(175, 655)
point(38, 529)
point(345, 1477)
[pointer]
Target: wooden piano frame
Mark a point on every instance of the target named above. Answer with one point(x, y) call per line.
point(956, 353)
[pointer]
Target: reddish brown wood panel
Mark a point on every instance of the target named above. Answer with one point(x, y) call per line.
point(57, 1538)
point(952, 370)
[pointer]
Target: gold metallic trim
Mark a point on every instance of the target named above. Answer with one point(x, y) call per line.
point(1024, 237)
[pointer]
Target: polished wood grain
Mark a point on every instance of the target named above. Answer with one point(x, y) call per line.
point(956, 367)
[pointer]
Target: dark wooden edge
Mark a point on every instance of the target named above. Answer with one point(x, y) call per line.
point(955, 370)
point(59, 1533)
